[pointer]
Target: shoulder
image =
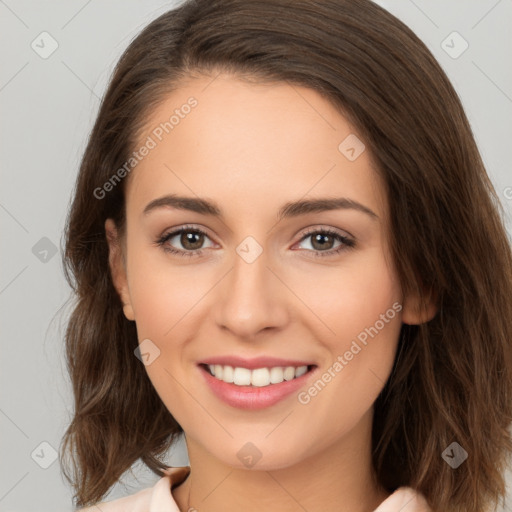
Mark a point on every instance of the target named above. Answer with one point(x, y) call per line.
point(154, 498)
point(404, 499)
point(137, 502)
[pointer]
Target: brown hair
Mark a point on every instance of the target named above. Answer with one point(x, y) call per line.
point(452, 378)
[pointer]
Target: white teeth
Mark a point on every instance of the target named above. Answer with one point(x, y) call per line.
point(301, 370)
point(276, 375)
point(242, 377)
point(218, 370)
point(259, 377)
point(227, 374)
point(289, 373)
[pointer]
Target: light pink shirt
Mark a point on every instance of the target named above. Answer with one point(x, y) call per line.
point(159, 498)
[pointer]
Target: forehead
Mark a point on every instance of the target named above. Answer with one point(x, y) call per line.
point(243, 142)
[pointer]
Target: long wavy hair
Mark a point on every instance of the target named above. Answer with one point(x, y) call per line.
point(452, 377)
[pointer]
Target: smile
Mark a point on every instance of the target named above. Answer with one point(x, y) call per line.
point(259, 377)
point(256, 388)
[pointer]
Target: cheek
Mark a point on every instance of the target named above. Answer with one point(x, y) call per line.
point(373, 324)
point(353, 381)
point(161, 291)
point(166, 301)
point(359, 306)
point(347, 298)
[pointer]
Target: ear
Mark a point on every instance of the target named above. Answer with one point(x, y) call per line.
point(415, 313)
point(117, 268)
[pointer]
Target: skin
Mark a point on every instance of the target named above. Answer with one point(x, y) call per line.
point(252, 148)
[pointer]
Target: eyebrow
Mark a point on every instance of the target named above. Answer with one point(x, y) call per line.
point(288, 210)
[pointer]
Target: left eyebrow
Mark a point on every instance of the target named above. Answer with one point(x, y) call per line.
point(290, 209)
point(296, 208)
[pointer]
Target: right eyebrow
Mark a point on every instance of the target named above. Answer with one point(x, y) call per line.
point(184, 203)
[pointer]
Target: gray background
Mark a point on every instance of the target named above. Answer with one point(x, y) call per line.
point(48, 107)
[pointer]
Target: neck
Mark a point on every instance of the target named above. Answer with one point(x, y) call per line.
point(339, 478)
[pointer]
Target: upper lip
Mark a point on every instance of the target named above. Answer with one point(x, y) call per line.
point(257, 362)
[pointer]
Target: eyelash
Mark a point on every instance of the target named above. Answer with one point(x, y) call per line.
point(346, 243)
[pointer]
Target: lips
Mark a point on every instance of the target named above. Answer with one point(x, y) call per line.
point(251, 397)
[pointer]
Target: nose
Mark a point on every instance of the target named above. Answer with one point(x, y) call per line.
point(251, 299)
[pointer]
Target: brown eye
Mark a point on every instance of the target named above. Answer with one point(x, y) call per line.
point(191, 240)
point(322, 242)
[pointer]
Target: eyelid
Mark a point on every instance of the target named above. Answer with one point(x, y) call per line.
point(346, 242)
point(318, 227)
point(308, 231)
point(186, 227)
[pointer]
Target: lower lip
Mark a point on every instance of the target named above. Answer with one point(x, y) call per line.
point(253, 397)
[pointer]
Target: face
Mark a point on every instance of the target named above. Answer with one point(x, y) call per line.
point(253, 275)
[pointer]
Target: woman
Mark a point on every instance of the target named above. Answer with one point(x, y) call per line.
point(285, 245)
